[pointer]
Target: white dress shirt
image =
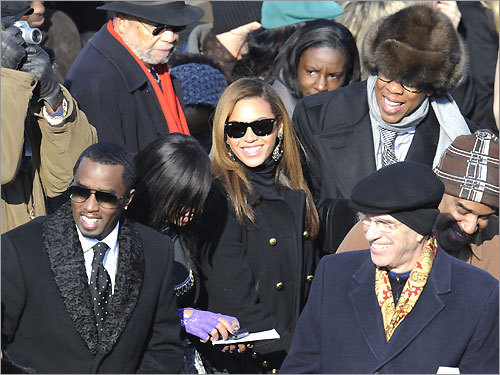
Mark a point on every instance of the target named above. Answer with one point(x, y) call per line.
point(110, 259)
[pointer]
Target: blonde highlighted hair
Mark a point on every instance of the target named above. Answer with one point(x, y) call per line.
point(231, 173)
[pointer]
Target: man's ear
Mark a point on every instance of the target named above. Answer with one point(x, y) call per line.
point(120, 23)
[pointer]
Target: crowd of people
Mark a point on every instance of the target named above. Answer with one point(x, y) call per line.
point(193, 171)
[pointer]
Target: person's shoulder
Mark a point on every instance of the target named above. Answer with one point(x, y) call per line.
point(468, 277)
point(28, 230)
point(350, 92)
point(350, 260)
point(154, 243)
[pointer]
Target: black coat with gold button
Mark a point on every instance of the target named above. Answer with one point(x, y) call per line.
point(259, 273)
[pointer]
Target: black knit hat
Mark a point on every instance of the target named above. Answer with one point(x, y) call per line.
point(408, 191)
point(230, 15)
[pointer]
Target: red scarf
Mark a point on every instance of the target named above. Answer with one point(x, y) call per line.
point(170, 106)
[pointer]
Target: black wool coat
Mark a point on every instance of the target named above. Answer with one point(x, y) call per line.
point(336, 132)
point(259, 273)
point(48, 320)
point(116, 95)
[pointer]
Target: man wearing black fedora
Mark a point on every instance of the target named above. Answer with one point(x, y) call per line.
point(404, 305)
point(121, 79)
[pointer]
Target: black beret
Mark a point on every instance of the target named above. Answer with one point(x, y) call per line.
point(408, 191)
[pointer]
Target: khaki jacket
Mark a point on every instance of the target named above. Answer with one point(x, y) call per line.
point(55, 149)
point(484, 255)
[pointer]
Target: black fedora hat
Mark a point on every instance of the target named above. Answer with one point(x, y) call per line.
point(174, 13)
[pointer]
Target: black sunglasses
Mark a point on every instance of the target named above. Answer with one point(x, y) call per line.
point(175, 29)
point(104, 199)
point(158, 28)
point(261, 128)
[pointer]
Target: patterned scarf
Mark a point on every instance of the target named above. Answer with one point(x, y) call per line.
point(170, 106)
point(411, 292)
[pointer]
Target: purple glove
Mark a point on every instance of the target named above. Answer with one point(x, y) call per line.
point(202, 323)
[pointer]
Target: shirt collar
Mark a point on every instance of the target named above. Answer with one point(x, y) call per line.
point(110, 240)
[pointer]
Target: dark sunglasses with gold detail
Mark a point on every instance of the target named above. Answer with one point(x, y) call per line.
point(261, 128)
point(80, 194)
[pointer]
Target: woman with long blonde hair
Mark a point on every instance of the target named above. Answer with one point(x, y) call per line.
point(258, 225)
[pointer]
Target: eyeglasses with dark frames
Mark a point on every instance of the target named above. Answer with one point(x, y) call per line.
point(158, 28)
point(80, 194)
point(381, 225)
point(261, 128)
point(412, 90)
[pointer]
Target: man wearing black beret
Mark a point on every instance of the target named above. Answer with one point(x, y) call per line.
point(404, 305)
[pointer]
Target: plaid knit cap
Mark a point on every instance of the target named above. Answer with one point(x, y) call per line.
point(469, 168)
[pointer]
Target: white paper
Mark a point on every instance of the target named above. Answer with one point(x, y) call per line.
point(448, 370)
point(256, 336)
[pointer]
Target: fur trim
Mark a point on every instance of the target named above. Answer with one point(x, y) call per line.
point(68, 267)
point(417, 46)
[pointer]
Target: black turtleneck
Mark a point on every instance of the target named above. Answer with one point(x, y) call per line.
point(262, 178)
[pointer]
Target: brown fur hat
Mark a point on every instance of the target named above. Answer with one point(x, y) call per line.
point(416, 46)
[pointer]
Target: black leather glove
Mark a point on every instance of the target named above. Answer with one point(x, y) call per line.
point(38, 63)
point(12, 47)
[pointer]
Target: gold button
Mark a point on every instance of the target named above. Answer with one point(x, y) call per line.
point(274, 371)
point(265, 364)
point(279, 286)
point(272, 241)
point(310, 278)
point(253, 355)
point(305, 234)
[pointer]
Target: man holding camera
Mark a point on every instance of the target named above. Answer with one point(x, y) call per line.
point(43, 131)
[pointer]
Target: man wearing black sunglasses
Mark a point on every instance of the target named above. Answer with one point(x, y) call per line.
point(401, 112)
point(85, 290)
point(121, 79)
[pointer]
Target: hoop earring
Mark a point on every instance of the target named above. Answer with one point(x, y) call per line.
point(278, 150)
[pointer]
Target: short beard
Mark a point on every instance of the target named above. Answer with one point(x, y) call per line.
point(145, 57)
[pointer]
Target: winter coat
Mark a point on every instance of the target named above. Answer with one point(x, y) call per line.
point(28, 186)
point(259, 273)
point(116, 95)
point(48, 319)
point(335, 130)
point(453, 324)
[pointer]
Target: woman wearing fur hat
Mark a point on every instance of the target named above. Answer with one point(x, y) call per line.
point(401, 112)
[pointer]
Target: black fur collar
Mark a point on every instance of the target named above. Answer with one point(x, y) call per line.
point(66, 258)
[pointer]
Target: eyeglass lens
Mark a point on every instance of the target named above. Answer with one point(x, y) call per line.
point(175, 29)
point(261, 128)
point(412, 90)
point(80, 194)
point(381, 225)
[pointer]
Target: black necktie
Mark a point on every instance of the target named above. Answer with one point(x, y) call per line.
point(100, 285)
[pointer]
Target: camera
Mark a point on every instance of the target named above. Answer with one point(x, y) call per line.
point(30, 36)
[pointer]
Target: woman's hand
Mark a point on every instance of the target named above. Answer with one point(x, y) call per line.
point(208, 325)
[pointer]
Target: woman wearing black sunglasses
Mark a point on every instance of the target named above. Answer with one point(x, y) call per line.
point(258, 223)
